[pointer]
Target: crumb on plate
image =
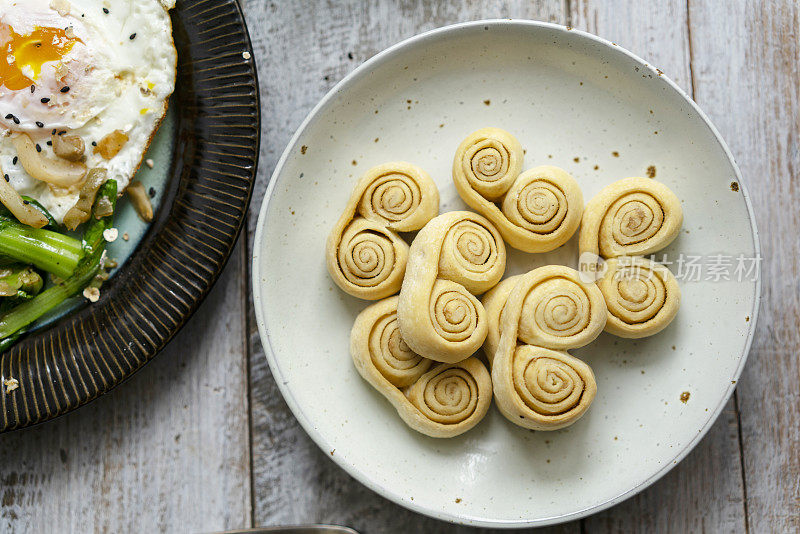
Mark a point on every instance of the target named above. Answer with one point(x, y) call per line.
point(92, 294)
point(11, 384)
point(110, 234)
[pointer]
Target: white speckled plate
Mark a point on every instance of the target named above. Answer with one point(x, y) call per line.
point(573, 100)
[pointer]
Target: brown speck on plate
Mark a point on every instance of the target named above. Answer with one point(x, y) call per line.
point(596, 167)
point(458, 500)
point(734, 187)
point(673, 347)
point(747, 319)
point(376, 139)
point(550, 156)
point(651, 171)
point(441, 125)
point(332, 451)
point(576, 159)
point(487, 102)
point(615, 154)
point(685, 397)
point(304, 148)
point(355, 163)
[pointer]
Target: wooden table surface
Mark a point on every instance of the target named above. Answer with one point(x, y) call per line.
point(201, 439)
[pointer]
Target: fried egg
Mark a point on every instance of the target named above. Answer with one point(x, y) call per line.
point(88, 68)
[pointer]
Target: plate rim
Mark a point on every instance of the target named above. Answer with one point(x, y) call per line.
point(258, 300)
point(163, 216)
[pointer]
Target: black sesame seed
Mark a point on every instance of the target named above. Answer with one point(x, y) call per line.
point(33, 89)
point(105, 10)
point(25, 202)
point(45, 100)
point(152, 192)
point(132, 37)
point(53, 132)
point(38, 148)
point(14, 161)
point(65, 89)
point(6, 177)
point(94, 143)
point(40, 124)
point(62, 132)
point(49, 143)
point(15, 119)
point(9, 116)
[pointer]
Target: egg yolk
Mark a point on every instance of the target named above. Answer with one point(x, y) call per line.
point(32, 51)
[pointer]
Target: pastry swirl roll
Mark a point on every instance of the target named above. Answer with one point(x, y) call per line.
point(631, 217)
point(542, 389)
point(364, 254)
point(530, 316)
point(557, 309)
point(436, 399)
point(535, 211)
point(456, 255)
point(642, 296)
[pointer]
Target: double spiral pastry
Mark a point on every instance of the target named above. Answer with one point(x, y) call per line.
point(364, 254)
point(626, 220)
point(439, 400)
point(535, 211)
point(642, 296)
point(533, 319)
point(631, 217)
point(457, 255)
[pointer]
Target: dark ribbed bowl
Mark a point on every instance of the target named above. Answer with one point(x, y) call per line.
point(92, 350)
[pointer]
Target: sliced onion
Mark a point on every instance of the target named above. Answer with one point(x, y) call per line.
point(25, 213)
point(81, 211)
point(59, 172)
point(140, 200)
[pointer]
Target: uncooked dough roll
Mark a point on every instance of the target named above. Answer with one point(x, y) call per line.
point(457, 254)
point(559, 310)
point(488, 161)
point(438, 400)
point(631, 217)
point(529, 316)
point(542, 389)
point(364, 255)
point(643, 297)
point(539, 210)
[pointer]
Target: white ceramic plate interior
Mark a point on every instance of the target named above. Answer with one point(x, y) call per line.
point(575, 101)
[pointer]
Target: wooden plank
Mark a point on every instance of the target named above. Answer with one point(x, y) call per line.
point(166, 451)
point(705, 491)
point(302, 52)
point(746, 57)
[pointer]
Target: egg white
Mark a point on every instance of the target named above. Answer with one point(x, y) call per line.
point(120, 77)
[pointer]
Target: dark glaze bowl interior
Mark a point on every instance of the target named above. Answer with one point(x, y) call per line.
point(93, 349)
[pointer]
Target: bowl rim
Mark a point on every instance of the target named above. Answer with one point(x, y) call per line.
point(258, 300)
